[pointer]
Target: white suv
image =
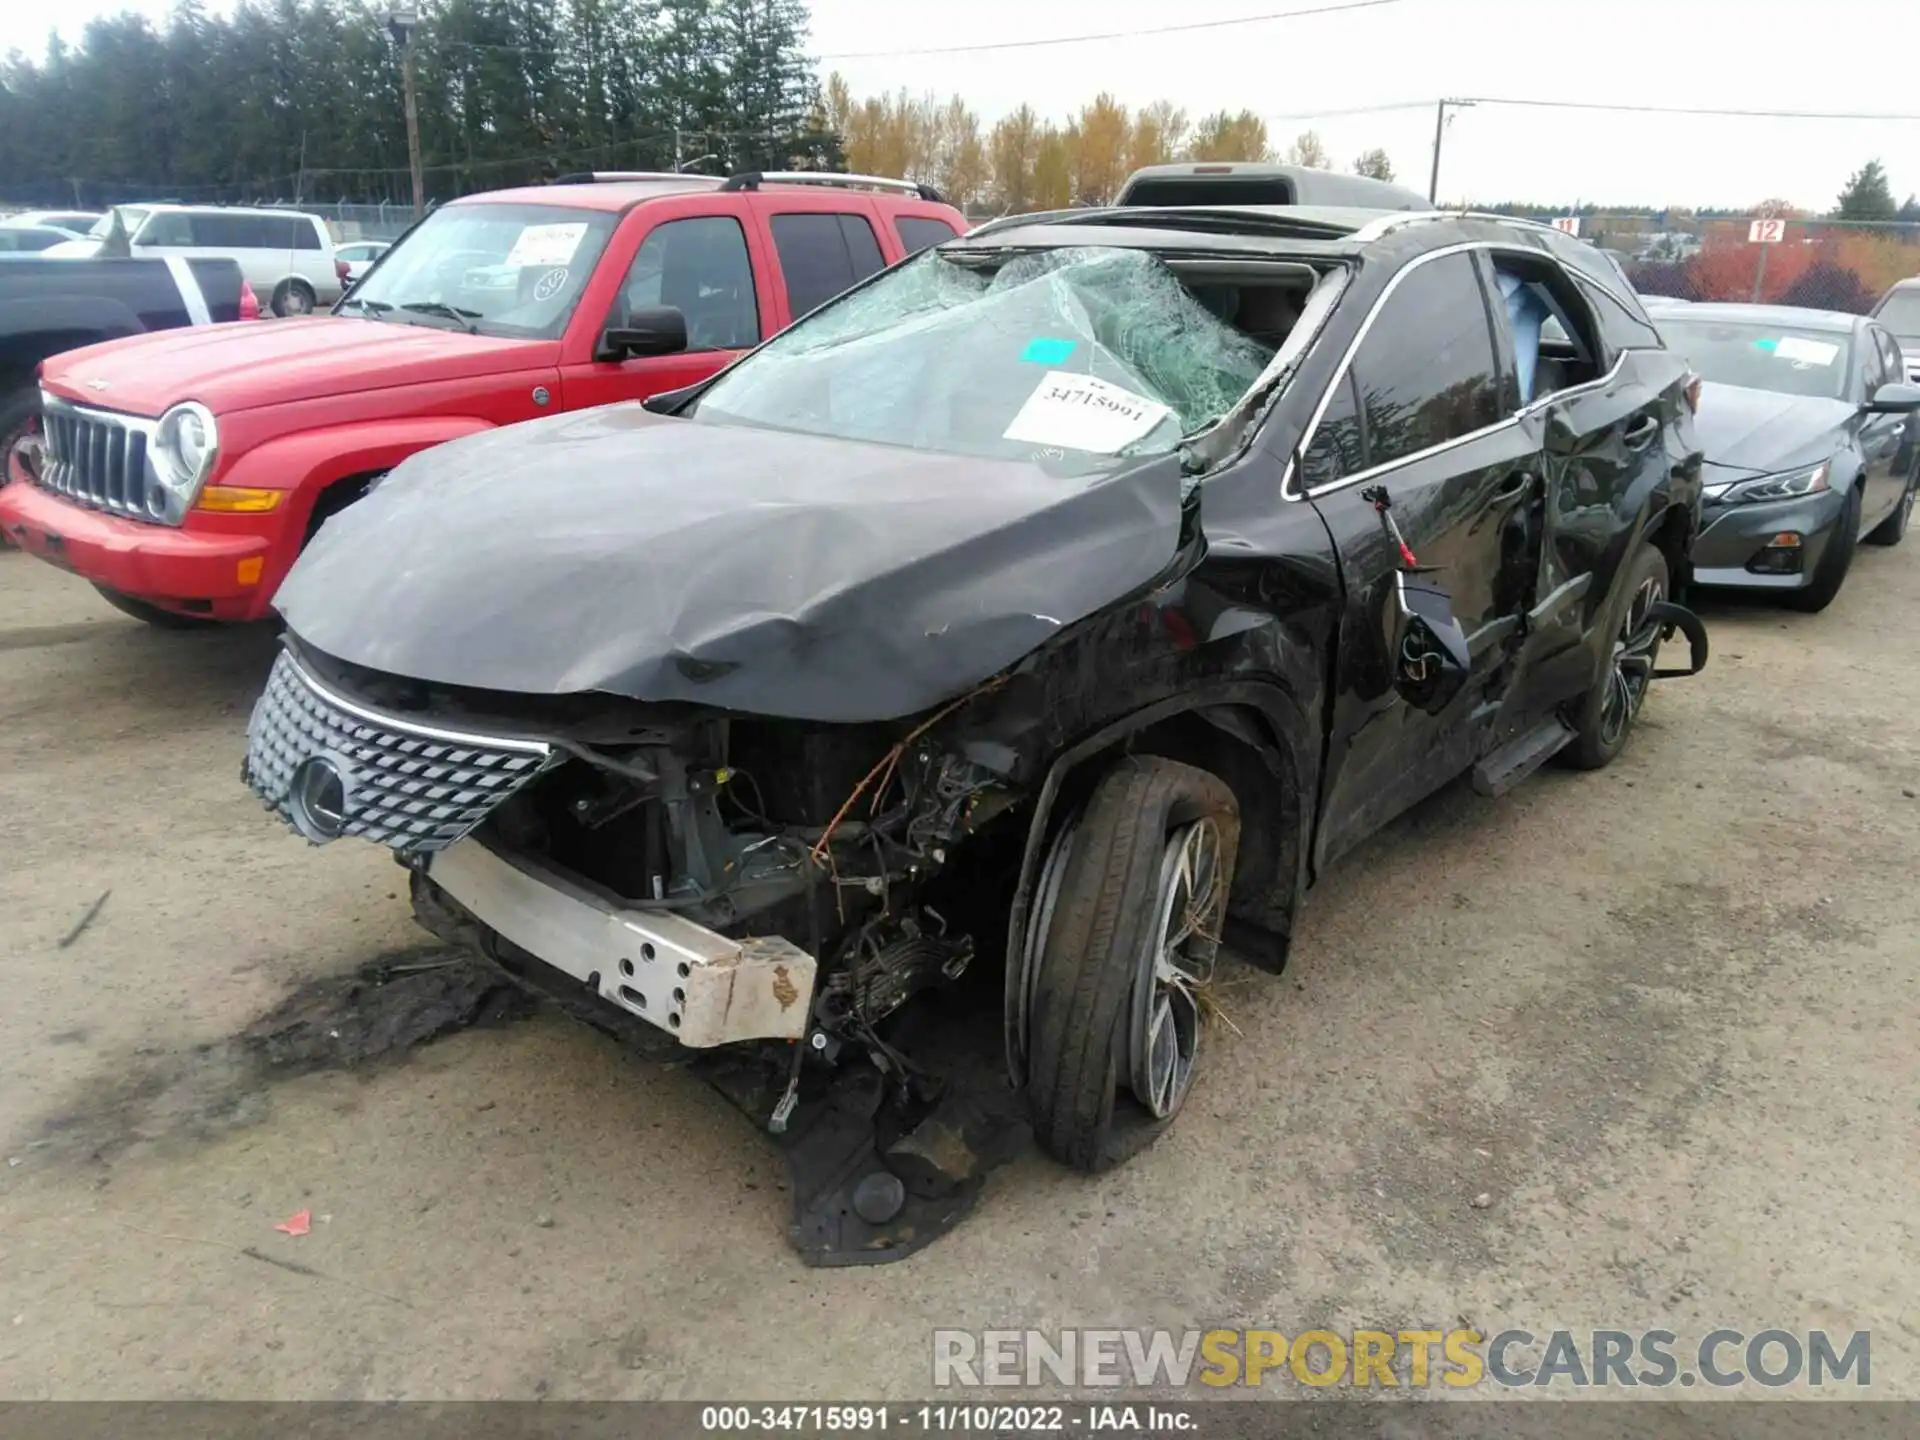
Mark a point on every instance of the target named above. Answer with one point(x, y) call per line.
point(286, 255)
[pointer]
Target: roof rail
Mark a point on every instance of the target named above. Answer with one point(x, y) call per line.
point(1387, 224)
point(614, 177)
point(754, 179)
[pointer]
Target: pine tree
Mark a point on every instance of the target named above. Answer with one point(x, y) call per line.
point(1867, 196)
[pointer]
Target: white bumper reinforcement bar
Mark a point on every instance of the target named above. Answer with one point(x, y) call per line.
point(699, 986)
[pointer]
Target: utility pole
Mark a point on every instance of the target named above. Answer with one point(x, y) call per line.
point(401, 22)
point(1439, 134)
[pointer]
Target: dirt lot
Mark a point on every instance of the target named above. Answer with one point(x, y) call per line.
point(1663, 1017)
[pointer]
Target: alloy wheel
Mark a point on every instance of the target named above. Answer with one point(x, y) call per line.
point(1633, 658)
point(1182, 943)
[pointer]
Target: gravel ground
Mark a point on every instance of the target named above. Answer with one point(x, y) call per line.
point(1662, 1019)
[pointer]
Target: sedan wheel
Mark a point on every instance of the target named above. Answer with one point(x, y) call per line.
point(1893, 529)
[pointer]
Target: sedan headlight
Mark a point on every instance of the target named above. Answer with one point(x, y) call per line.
point(180, 457)
point(1788, 485)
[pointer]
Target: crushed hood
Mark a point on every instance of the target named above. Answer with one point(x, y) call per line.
point(274, 362)
point(1760, 431)
point(772, 573)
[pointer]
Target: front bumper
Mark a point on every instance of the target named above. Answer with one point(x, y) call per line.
point(192, 572)
point(699, 986)
point(1733, 536)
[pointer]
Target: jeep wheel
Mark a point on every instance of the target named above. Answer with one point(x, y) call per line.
point(1605, 717)
point(1125, 959)
point(19, 418)
point(293, 297)
point(154, 615)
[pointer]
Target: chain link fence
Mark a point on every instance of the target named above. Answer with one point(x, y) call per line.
point(1754, 259)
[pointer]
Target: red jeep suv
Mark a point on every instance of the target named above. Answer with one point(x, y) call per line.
point(182, 472)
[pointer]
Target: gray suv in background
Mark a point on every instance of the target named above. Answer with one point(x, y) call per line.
point(1899, 311)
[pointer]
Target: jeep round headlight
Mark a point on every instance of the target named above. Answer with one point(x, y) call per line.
point(180, 457)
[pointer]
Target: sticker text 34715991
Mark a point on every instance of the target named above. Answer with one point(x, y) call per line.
point(1083, 412)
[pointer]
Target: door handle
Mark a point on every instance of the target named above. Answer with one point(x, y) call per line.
point(1640, 434)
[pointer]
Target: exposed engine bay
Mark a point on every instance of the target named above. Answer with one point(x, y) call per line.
point(716, 880)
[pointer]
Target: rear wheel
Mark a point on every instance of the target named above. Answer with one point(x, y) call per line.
point(1125, 958)
point(1893, 529)
point(1831, 573)
point(293, 297)
point(1605, 717)
point(154, 615)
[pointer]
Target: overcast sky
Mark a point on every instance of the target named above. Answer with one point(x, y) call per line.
point(1737, 54)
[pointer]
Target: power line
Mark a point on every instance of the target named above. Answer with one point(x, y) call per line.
point(1114, 34)
point(1353, 110)
point(1684, 109)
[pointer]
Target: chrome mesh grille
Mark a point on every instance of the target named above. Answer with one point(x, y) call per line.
point(96, 457)
point(414, 788)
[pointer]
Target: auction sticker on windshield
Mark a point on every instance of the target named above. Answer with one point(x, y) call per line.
point(1805, 352)
point(546, 244)
point(1083, 412)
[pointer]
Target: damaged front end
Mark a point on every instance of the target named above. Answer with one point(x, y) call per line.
point(773, 895)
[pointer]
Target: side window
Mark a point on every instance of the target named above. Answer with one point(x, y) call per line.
point(1426, 372)
point(821, 255)
point(1551, 328)
point(1334, 450)
point(1623, 323)
point(170, 228)
point(1890, 353)
point(700, 267)
point(213, 230)
point(917, 234)
point(1873, 364)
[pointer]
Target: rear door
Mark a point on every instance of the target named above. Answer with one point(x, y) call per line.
point(1417, 410)
point(1607, 396)
point(701, 255)
point(824, 243)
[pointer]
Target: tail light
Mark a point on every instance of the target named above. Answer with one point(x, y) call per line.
point(1692, 393)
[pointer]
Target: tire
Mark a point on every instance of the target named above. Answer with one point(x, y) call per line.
point(154, 615)
point(1603, 719)
point(19, 415)
point(1831, 573)
point(1098, 997)
point(293, 297)
point(1893, 529)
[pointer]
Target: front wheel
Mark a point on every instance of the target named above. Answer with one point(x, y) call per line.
point(1125, 956)
point(1831, 573)
point(19, 419)
point(1605, 717)
point(1893, 529)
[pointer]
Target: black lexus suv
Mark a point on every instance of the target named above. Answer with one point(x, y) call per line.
point(1049, 610)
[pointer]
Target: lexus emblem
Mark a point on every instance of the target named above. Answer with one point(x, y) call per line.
point(317, 799)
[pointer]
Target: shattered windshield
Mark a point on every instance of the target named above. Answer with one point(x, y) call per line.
point(1076, 356)
point(511, 270)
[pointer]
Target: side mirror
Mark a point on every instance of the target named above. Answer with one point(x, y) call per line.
point(1896, 398)
point(652, 330)
point(1431, 662)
